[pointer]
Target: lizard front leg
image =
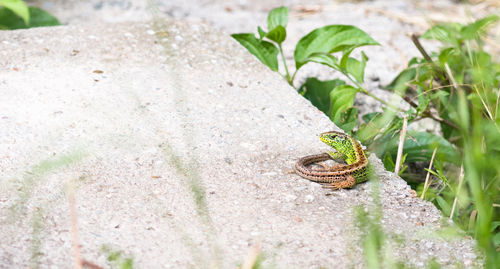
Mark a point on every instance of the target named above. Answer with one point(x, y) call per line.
point(334, 155)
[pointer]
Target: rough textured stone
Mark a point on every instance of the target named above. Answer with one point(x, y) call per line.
point(179, 146)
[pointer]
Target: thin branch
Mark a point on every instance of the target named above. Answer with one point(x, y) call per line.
point(366, 92)
point(416, 41)
point(428, 114)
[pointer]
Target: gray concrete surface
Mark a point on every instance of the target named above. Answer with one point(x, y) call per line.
point(387, 21)
point(179, 146)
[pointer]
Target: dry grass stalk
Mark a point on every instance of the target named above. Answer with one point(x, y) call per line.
point(77, 259)
point(402, 136)
point(427, 183)
point(252, 257)
point(460, 180)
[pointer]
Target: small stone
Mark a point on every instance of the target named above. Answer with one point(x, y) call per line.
point(290, 197)
point(309, 198)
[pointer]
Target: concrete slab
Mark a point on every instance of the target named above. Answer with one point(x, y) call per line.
point(178, 145)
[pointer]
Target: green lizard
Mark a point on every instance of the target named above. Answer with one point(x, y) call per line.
point(338, 176)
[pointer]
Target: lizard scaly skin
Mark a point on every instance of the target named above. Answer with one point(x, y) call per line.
point(338, 176)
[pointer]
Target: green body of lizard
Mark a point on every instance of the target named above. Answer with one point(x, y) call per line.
point(338, 176)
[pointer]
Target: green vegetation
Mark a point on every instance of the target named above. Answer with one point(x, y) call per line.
point(14, 14)
point(334, 97)
point(457, 88)
point(117, 258)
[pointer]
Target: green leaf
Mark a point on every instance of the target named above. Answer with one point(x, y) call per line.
point(445, 32)
point(445, 54)
point(330, 39)
point(423, 100)
point(326, 59)
point(262, 33)
point(388, 162)
point(357, 68)
point(420, 145)
point(318, 92)
point(18, 7)
point(445, 207)
point(38, 18)
point(345, 58)
point(379, 123)
point(341, 98)
point(415, 61)
point(496, 239)
point(477, 28)
point(370, 116)
point(400, 83)
point(494, 225)
point(348, 119)
point(277, 17)
point(482, 71)
point(265, 51)
point(278, 34)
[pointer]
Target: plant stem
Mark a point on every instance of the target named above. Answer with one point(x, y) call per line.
point(366, 92)
point(293, 76)
point(428, 114)
point(416, 42)
point(290, 81)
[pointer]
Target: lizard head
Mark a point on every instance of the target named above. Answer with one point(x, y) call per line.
point(336, 140)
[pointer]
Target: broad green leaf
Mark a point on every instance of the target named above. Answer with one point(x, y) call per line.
point(326, 59)
point(400, 83)
point(420, 145)
point(348, 119)
point(277, 17)
point(330, 39)
point(278, 34)
point(341, 98)
point(18, 7)
point(357, 68)
point(345, 58)
point(265, 51)
point(38, 18)
point(318, 92)
point(477, 28)
point(379, 123)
